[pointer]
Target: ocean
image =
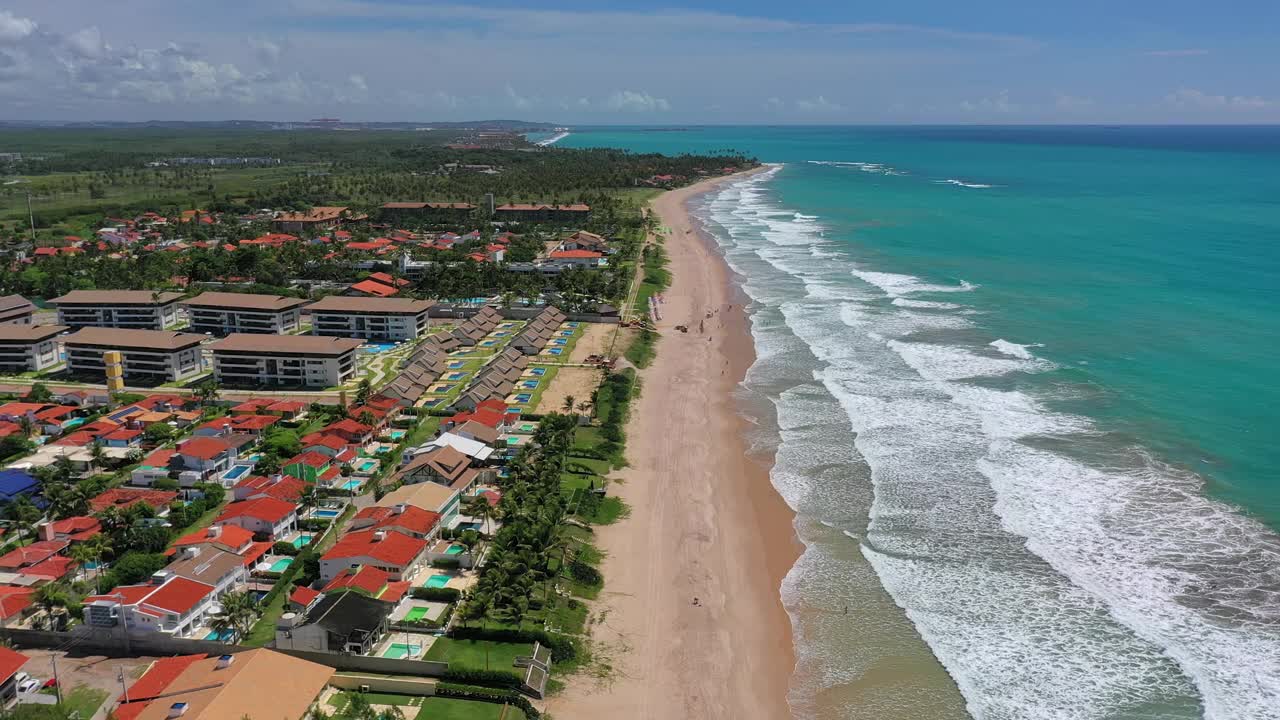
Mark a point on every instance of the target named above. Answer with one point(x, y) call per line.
point(1020, 385)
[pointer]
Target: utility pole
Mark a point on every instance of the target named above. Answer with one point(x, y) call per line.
point(57, 684)
point(123, 685)
point(31, 216)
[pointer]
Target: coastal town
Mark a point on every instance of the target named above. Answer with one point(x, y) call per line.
point(335, 460)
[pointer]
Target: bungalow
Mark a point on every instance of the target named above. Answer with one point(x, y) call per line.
point(124, 498)
point(367, 578)
point(11, 662)
point(439, 499)
point(153, 468)
point(19, 559)
point(283, 409)
point(583, 240)
point(394, 552)
point(225, 571)
point(74, 529)
point(263, 516)
point(231, 538)
point(253, 425)
point(353, 432)
point(479, 432)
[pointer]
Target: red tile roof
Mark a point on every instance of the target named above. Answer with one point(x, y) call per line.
point(268, 509)
point(367, 578)
point(157, 678)
point(287, 488)
point(10, 663)
point(31, 554)
point(303, 596)
point(413, 519)
point(14, 600)
point(54, 568)
point(323, 439)
point(179, 595)
point(395, 548)
point(159, 458)
point(570, 254)
point(127, 497)
point(232, 537)
point(310, 459)
point(204, 448)
point(386, 279)
point(395, 591)
point(375, 288)
point(349, 427)
point(79, 527)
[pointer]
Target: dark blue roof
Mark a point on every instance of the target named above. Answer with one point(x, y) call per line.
point(16, 482)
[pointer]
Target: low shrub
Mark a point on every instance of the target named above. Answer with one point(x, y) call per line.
point(486, 678)
point(447, 595)
point(562, 647)
point(283, 548)
point(489, 695)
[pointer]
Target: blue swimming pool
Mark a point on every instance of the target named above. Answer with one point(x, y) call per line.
point(524, 397)
point(374, 348)
point(325, 513)
point(455, 364)
point(237, 471)
point(529, 384)
point(352, 485)
point(302, 540)
point(455, 376)
point(560, 341)
point(538, 372)
point(224, 636)
point(555, 351)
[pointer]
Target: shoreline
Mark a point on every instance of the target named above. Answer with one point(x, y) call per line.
point(706, 522)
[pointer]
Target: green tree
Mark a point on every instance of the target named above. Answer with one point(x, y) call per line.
point(39, 393)
point(238, 614)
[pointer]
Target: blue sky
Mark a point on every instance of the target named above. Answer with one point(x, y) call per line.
point(708, 61)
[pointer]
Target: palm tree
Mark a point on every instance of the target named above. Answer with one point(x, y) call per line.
point(237, 615)
point(207, 392)
point(363, 390)
point(27, 426)
point(98, 454)
point(23, 514)
point(92, 550)
point(50, 602)
point(584, 407)
point(478, 507)
point(568, 403)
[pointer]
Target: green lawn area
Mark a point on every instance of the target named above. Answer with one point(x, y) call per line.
point(474, 654)
point(84, 700)
point(438, 708)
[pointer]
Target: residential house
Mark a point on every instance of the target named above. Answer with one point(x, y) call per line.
point(227, 687)
point(167, 604)
point(408, 519)
point(11, 661)
point(209, 459)
point(264, 516)
point(123, 498)
point(223, 570)
point(392, 551)
point(312, 467)
point(343, 622)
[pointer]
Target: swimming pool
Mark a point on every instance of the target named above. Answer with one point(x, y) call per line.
point(281, 565)
point(399, 651)
point(455, 376)
point(456, 364)
point(73, 422)
point(224, 636)
point(416, 614)
point(539, 372)
point(397, 434)
point(529, 384)
point(367, 466)
point(374, 348)
point(436, 581)
point(325, 513)
point(524, 397)
point(527, 427)
point(560, 342)
point(236, 472)
point(565, 333)
point(254, 458)
point(555, 351)
point(352, 485)
point(300, 541)
point(571, 324)
point(470, 526)
point(488, 343)
point(455, 550)
point(513, 441)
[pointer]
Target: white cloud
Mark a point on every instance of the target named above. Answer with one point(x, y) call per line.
point(87, 43)
point(14, 28)
point(1196, 99)
point(818, 104)
point(1062, 101)
point(998, 104)
point(1185, 52)
point(517, 100)
point(267, 51)
point(632, 101)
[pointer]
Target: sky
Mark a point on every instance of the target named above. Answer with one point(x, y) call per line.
point(631, 62)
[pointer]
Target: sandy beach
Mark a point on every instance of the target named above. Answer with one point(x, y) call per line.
point(705, 524)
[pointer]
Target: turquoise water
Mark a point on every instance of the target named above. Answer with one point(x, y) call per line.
point(1028, 373)
point(455, 550)
point(302, 540)
point(325, 514)
point(436, 581)
point(281, 565)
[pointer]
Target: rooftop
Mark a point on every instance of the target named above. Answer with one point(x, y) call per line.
point(116, 297)
point(133, 339)
point(289, 344)
point(244, 301)
point(384, 305)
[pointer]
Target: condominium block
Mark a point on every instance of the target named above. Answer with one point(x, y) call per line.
point(284, 360)
point(25, 348)
point(371, 318)
point(147, 355)
point(224, 313)
point(136, 309)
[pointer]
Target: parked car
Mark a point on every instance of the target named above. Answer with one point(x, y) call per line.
point(21, 677)
point(29, 685)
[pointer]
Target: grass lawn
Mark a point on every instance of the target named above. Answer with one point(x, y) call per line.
point(438, 708)
point(84, 700)
point(339, 701)
point(474, 654)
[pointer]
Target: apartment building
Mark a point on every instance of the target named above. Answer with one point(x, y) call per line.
point(136, 309)
point(16, 309)
point(148, 355)
point(288, 360)
point(26, 348)
point(223, 313)
point(371, 318)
